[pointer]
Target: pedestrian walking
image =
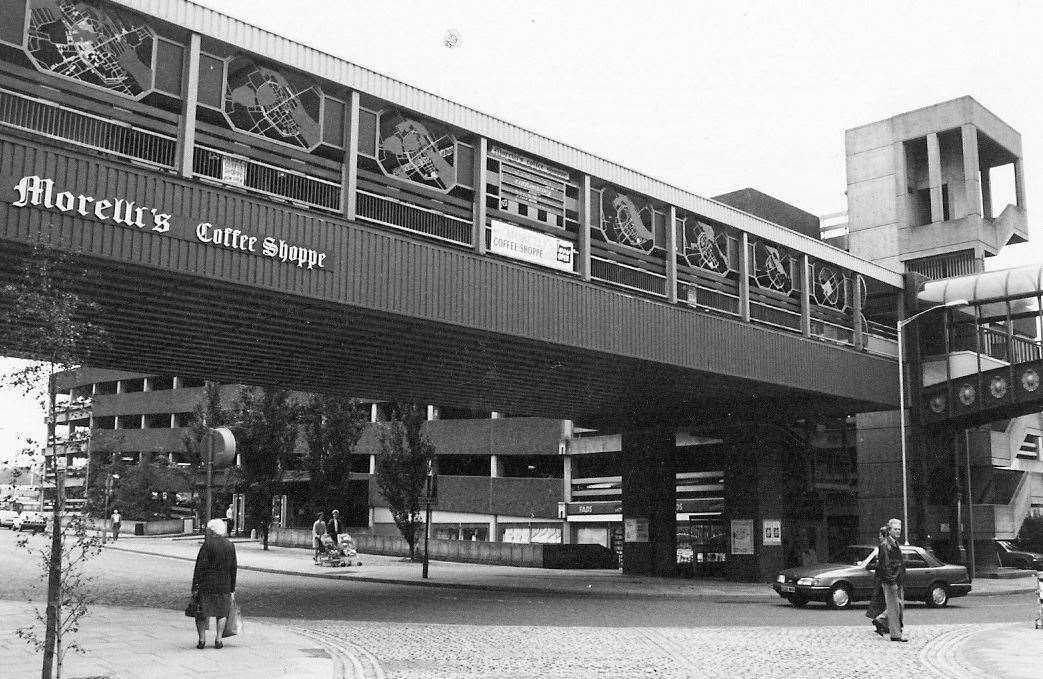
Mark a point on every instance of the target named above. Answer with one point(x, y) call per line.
point(878, 605)
point(890, 571)
point(334, 527)
point(213, 581)
point(230, 519)
point(116, 521)
point(318, 529)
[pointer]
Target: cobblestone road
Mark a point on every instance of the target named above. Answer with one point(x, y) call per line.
point(415, 651)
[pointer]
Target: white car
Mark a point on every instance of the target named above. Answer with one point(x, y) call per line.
point(7, 517)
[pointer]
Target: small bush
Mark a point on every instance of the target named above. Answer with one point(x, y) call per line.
point(1030, 536)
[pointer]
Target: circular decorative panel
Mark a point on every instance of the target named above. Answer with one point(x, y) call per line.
point(419, 152)
point(771, 267)
point(967, 394)
point(998, 386)
point(1030, 380)
point(264, 101)
point(623, 222)
point(937, 403)
point(100, 47)
point(703, 248)
point(829, 287)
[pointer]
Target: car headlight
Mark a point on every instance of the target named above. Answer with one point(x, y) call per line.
point(808, 581)
point(781, 578)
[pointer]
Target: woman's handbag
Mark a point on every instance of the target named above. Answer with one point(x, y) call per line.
point(234, 624)
point(192, 609)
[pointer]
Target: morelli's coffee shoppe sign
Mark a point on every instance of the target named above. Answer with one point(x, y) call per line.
point(41, 192)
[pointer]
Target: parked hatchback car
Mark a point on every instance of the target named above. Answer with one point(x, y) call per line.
point(34, 521)
point(1012, 557)
point(849, 576)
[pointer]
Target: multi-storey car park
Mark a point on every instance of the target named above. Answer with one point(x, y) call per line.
point(704, 379)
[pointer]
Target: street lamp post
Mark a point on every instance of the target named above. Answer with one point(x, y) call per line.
point(901, 404)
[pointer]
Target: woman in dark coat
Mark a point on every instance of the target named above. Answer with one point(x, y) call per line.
point(214, 581)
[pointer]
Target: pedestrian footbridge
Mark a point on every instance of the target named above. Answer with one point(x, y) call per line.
point(982, 362)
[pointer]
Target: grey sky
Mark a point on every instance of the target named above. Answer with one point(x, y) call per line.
point(709, 96)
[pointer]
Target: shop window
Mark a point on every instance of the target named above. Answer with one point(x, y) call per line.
point(532, 466)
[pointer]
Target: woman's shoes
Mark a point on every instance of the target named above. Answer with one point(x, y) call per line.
point(881, 628)
point(220, 644)
point(201, 644)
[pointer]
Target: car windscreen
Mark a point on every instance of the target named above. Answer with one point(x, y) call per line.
point(852, 554)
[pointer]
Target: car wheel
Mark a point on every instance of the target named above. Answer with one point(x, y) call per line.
point(839, 596)
point(937, 595)
point(793, 599)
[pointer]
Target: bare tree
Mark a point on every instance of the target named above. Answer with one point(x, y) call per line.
point(80, 543)
point(401, 469)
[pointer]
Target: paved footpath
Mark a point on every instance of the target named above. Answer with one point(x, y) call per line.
point(161, 646)
point(146, 643)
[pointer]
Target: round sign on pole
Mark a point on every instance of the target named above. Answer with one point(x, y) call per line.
point(224, 446)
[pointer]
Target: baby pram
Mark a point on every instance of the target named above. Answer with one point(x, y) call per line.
point(340, 553)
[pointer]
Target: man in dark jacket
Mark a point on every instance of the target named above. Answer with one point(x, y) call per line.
point(334, 527)
point(890, 571)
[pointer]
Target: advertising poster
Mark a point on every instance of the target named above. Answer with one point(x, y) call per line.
point(635, 530)
point(742, 536)
point(772, 532)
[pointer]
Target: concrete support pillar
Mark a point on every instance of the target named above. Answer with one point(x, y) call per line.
point(901, 185)
point(805, 296)
point(986, 193)
point(372, 464)
point(432, 412)
point(481, 153)
point(671, 255)
point(583, 265)
point(649, 502)
point(146, 384)
point(856, 311)
point(494, 528)
point(744, 277)
point(350, 171)
point(934, 175)
point(186, 138)
point(1019, 184)
point(566, 478)
point(177, 384)
point(374, 413)
point(495, 467)
point(971, 171)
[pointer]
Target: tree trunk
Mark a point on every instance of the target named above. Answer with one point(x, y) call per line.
point(55, 564)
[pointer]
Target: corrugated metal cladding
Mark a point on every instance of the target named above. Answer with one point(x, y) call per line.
point(393, 274)
point(310, 60)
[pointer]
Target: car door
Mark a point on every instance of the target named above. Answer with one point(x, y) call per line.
point(918, 573)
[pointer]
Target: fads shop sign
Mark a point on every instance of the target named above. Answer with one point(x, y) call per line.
point(41, 192)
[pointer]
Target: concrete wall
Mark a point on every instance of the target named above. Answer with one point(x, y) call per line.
point(498, 553)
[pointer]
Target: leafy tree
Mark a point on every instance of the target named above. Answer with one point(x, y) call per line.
point(265, 429)
point(332, 426)
point(42, 317)
point(208, 414)
point(1030, 536)
point(401, 470)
